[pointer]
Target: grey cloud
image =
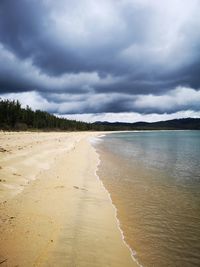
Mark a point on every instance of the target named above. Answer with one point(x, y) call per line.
point(179, 99)
point(12, 80)
point(100, 56)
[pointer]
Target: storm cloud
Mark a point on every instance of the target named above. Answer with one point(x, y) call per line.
point(101, 57)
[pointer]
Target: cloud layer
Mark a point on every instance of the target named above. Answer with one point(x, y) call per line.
point(78, 57)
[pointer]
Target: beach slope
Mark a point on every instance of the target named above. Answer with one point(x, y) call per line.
point(54, 210)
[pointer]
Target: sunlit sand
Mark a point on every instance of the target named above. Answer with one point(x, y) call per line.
point(54, 209)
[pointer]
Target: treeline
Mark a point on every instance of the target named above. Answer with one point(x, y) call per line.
point(14, 117)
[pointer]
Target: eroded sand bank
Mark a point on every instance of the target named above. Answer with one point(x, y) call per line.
point(54, 211)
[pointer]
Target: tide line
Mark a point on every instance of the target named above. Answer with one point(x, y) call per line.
point(133, 252)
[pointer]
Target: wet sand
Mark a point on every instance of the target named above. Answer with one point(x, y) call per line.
point(54, 211)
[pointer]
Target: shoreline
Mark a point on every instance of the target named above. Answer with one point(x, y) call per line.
point(80, 218)
point(132, 252)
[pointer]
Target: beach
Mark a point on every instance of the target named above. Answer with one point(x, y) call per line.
point(54, 211)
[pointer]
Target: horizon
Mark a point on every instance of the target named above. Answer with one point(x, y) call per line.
point(125, 61)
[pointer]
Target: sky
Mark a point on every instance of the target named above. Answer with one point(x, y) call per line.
point(108, 60)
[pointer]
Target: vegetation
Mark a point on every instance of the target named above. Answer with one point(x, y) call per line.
point(14, 117)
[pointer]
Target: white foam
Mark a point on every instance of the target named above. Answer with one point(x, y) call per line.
point(97, 139)
point(102, 135)
point(133, 252)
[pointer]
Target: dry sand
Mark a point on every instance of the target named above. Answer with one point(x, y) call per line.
point(54, 211)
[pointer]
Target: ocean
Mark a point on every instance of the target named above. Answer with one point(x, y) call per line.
point(154, 182)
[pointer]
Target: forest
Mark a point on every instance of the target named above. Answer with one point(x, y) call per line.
point(13, 117)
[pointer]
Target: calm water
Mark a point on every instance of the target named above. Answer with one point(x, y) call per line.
point(154, 181)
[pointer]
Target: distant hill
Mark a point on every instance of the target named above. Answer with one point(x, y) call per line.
point(177, 124)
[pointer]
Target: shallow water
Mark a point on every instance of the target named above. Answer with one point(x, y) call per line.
point(154, 181)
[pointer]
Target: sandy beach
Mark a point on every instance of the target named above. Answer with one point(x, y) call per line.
point(54, 210)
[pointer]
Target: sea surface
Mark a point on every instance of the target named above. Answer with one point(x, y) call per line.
point(154, 181)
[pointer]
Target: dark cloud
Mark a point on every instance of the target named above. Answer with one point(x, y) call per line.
point(109, 54)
